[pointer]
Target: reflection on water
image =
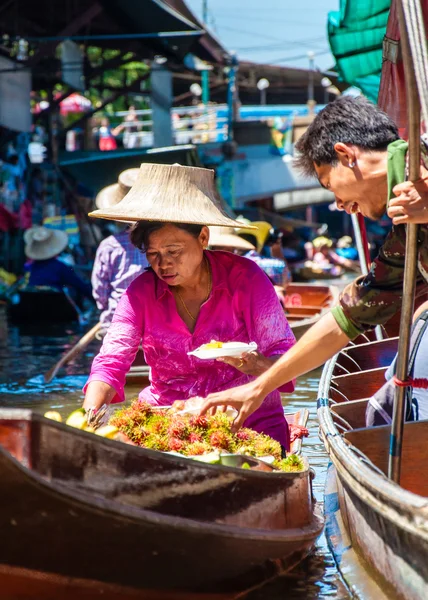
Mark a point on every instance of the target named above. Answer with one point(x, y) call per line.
point(27, 353)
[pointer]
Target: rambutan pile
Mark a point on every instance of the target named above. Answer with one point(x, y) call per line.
point(168, 431)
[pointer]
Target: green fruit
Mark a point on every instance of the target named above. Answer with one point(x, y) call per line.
point(53, 415)
point(77, 419)
point(212, 458)
point(108, 431)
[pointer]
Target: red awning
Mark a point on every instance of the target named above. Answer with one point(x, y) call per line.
point(392, 93)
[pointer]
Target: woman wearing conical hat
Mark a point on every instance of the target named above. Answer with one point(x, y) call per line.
point(189, 297)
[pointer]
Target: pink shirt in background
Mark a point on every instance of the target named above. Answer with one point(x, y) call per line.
point(243, 306)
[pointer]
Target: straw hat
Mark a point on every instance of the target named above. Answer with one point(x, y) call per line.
point(171, 194)
point(113, 194)
point(42, 243)
point(263, 228)
point(224, 237)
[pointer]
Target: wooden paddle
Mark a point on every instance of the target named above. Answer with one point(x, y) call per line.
point(77, 348)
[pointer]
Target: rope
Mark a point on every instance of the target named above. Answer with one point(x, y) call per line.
point(416, 382)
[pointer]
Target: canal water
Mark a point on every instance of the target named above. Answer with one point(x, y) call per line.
point(28, 352)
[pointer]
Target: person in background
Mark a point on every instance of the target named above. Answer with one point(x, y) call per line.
point(346, 249)
point(327, 258)
point(132, 126)
point(117, 261)
point(268, 241)
point(42, 247)
point(107, 136)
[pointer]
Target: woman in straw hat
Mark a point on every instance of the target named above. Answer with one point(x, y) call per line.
point(189, 297)
point(42, 247)
point(117, 262)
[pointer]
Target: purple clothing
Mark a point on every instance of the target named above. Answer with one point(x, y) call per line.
point(242, 306)
point(54, 273)
point(274, 268)
point(117, 264)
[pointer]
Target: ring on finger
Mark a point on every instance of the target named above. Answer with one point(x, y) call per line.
point(241, 363)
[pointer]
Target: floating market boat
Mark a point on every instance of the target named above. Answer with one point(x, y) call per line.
point(84, 510)
point(306, 303)
point(312, 272)
point(40, 305)
point(377, 530)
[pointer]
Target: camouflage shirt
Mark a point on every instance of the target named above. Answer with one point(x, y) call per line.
point(373, 299)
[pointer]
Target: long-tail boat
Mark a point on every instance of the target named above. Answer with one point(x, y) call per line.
point(40, 305)
point(79, 510)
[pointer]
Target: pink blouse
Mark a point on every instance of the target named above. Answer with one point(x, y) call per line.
point(242, 306)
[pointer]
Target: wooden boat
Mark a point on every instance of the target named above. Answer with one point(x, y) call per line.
point(310, 273)
point(77, 507)
point(36, 305)
point(377, 530)
point(306, 303)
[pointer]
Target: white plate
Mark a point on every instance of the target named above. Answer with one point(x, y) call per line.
point(228, 349)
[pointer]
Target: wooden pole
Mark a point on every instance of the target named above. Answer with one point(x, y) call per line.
point(73, 352)
point(413, 107)
point(363, 254)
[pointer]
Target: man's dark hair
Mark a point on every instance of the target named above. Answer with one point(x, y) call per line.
point(348, 120)
point(141, 231)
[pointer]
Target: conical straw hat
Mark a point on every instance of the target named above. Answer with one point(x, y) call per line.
point(226, 238)
point(113, 194)
point(171, 194)
point(42, 243)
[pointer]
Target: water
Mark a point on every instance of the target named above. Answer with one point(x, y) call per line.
point(28, 352)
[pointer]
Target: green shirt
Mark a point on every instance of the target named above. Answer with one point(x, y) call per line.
point(373, 299)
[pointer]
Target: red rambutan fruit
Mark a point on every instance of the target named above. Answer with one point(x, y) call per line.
point(220, 439)
point(198, 421)
point(176, 445)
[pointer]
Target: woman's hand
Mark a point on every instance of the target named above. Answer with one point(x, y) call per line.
point(410, 204)
point(251, 363)
point(245, 399)
point(97, 394)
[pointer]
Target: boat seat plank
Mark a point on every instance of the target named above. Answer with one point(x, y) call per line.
point(355, 386)
point(353, 412)
point(374, 443)
point(299, 317)
point(371, 355)
point(313, 310)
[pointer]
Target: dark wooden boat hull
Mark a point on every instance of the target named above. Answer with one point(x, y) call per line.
point(41, 306)
point(80, 506)
point(378, 531)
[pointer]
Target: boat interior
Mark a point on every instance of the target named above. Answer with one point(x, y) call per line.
point(358, 373)
point(373, 442)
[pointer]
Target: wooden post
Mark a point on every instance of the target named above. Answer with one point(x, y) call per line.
point(413, 106)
